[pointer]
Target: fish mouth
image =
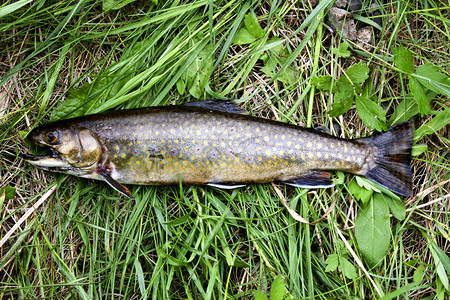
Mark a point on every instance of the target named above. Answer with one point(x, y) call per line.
point(50, 162)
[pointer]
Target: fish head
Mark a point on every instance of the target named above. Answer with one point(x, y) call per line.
point(73, 150)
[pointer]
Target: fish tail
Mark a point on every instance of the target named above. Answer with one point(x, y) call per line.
point(390, 157)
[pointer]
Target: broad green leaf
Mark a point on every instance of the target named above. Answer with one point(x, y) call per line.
point(441, 119)
point(360, 192)
point(243, 36)
point(348, 269)
point(342, 50)
point(252, 25)
point(199, 71)
point(9, 192)
point(358, 73)
point(372, 230)
point(323, 82)
point(278, 289)
point(269, 66)
point(332, 263)
point(404, 111)
point(278, 48)
point(260, 296)
point(288, 77)
point(343, 102)
point(442, 263)
point(396, 206)
point(423, 103)
point(430, 76)
point(181, 86)
point(403, 59)
point(372, 115)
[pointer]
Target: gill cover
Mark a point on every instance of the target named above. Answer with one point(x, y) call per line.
point(74, 150)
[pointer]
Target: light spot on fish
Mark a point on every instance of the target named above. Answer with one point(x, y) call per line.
point(292, 158)
point(319, 145)
point(259, 158)
point(281, 152)
point(138, 162)
point(310, 155)
point(303, 157)
point(123, 155)
point(266, 138)
point(289, 143)
point(297, 147)
point(309, 144)
point(268, 152)
point(319, 155)
point(257, 140)
point(116, 147)
point(175, 164)
point(340, 155)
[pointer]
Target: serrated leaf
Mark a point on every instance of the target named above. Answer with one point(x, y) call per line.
point(441, 119)
point(396, 207)
point(343, 102)
point(348, 269)
point(423, 103)
point(359, 192)
point(278, 289)
point(404, 111)
point(323, 82)
point(372, 230)
point(243, 36)
point(332, 263)
point(372, 115)
point(358, 73)
point(403, 59)
point(252, 25)
point(342, 50)
point(430, 76)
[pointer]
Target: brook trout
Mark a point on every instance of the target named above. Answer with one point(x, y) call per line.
point(212, 142)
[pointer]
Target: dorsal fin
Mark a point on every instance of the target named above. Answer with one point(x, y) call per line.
point(223, 105)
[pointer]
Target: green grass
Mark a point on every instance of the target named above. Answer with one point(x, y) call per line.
point(191, 242)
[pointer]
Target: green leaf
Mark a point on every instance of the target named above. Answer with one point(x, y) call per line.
point(278, 48)
point(441, 261)
point(396, 206)
point(252, 25)
point(199, 71)
point(418, 149)
point(332, 263)
point(441, 119)
point(115, 4)
point(430, 76)
point(9, 192)
point(348, 269)
point(343, 102)
point(278, 289)
point(243, 36)
point(181, 86)
point(269, 66)
point(141, 280)
point(372, 230)
point(360, 192)
point(342, 50)
point(404, 111)
point(260, 296)
point(323, 82)
point(358, 73)
point(423, 103)
point(372, 115)
point(403, 59)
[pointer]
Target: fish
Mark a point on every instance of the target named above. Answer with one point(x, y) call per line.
point(213, 142)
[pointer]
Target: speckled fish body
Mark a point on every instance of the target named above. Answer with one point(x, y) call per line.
point(194, 145)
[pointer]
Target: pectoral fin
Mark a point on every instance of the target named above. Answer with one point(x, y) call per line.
point(313, 179)
point(115, 185)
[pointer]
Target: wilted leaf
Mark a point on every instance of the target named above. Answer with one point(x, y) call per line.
point(372, 230)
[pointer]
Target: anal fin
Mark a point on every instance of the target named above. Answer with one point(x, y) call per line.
point(115, 185)
point(313, 179)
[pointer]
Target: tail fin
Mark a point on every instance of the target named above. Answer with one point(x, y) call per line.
point(391, 156)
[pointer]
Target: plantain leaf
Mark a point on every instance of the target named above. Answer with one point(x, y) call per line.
point(372, 230)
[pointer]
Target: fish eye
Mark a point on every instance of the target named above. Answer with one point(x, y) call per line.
point(52, 136)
